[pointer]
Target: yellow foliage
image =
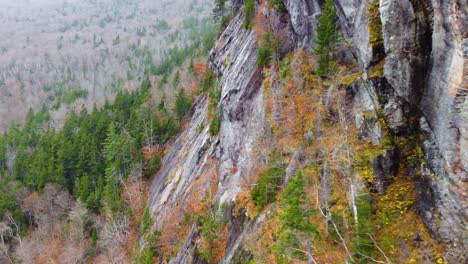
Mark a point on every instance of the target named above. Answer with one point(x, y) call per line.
point(351, 78)
point(377, 71)
point(375, 24)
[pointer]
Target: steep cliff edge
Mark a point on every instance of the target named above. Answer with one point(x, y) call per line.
point(403, 82)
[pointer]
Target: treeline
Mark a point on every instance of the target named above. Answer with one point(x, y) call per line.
point(91, 156)
point(94, 152)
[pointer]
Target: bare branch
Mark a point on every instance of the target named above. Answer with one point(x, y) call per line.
point(379, 249)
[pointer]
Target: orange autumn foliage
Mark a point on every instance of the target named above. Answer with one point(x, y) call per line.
point(302, 104)
point(193, 89)
point(200, 69)
point(172, 233)
point(198, 202)
point(267, 21)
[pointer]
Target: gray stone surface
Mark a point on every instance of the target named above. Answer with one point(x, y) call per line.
point(425, 79)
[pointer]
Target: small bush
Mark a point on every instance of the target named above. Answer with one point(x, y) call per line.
point(209, 81)
point(215, 124)
point(278, 5)
point(264, 57)
point(249, 12)
point(224, 23)
point(146, 222)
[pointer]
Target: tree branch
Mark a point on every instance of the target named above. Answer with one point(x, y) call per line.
point(305, 252)
point(378, 248)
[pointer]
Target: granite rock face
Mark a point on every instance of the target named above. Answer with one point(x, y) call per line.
point(196, 160)
point(422, 92)
point(425, 78)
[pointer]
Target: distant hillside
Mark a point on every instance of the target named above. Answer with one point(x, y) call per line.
point(67, 53)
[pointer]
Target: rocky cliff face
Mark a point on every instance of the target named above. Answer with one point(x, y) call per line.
point(413, 58)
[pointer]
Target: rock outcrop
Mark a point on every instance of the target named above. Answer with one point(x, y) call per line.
point(420, 91)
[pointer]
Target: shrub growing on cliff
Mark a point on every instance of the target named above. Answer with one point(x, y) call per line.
point(153, 165)
point(278, 5)
point(224, 23)
point(363, 245)
point(209, 81)
point(146, 222)
point(150, 250)
point(215, 124)
point(264, 57)
point(326, 38)
point(272, 37)
point(269, 49)
point(212, 227)
point(267, 186)
point(249, 12)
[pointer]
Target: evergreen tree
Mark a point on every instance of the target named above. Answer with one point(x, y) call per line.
point(112, 195)
point(84, 187)
point(162, 104)
point(182, 104)
point(3, 149)
point(176, 79)
point(295, 225)
point(93, 201)
point(21, 163)
point(295, 213)
point(249, 13)
point(59, 167)
point(112, 152)
point(145, 85)
point(326, 39)
point(363, 245)
point(146, 222)
point(118, 150)
point(267, 187)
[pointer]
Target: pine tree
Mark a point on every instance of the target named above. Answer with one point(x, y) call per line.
point(21, 163)
point(145, 85)
point(296, 228)
point(295, 215)
point(326, 39)
point(118, 149)
point(267, 187)
point(84, 187)
point(176, 79)
point(146, 222)
point(182, 104)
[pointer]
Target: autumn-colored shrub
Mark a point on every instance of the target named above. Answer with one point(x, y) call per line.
point(153, 166)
